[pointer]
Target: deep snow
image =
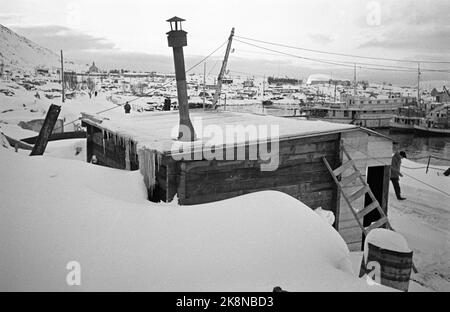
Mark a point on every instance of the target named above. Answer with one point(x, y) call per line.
point(55, 210)
point(424, 219)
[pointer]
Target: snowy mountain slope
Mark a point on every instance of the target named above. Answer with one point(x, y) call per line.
point(19, 52)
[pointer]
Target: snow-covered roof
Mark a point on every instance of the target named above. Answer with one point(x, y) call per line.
point(323, 77)
point(158, 130)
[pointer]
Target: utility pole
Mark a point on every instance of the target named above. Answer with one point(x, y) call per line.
point(176, 38)
point(264, 83)
point(204, 84)
point(335, 83)
point(222, 70)
point(62, 78)
point(354, 81)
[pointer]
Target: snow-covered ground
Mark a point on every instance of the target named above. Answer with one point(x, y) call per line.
point(61, 210)
point(25, 106)
point(424, 219)
point(54, 211)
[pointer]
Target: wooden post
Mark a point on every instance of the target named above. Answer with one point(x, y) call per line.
point(62, 77)
point(428, 164)
point(46, 130)
point(418, 84)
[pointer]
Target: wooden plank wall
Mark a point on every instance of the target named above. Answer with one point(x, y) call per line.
point(367, 151)
point(110, 150)
point(301, 174)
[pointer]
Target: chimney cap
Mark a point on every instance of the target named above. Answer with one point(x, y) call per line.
point(175, 19)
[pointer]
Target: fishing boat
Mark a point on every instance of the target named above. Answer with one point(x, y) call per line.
point(435, 122)
point(362, 111)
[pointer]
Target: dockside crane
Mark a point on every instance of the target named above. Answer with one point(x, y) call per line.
point(222, 71)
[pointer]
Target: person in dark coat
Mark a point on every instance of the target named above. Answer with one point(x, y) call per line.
point(396, 174)
point(127, 108)
point(167, 104)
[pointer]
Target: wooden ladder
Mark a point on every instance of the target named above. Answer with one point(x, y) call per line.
point(365, 189)
point(349, 198)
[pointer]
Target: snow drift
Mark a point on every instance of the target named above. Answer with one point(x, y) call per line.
point(53, 211)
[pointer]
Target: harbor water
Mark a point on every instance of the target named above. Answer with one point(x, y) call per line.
point(419, 147)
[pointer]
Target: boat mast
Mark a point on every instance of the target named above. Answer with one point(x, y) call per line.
point(222, 70)
point(418, 84)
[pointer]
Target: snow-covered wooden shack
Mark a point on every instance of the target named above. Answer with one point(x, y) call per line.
point(195, 173)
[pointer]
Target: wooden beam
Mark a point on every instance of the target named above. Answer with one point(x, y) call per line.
point(46, 130)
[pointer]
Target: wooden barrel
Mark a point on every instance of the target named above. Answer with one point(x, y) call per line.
point(395, 266)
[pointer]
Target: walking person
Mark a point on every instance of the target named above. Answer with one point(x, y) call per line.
point(167, 104)
point(396, 174)
point(127, 108)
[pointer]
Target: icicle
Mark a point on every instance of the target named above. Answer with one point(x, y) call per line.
point(159, 159)
point(147, 167)
point(127, 155)
point(103, 142)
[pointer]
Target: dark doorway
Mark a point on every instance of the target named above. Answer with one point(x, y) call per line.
point(378, 180)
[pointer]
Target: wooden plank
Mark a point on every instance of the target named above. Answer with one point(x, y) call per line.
point(20, 144)
point(345, 166)
point(357, 246)
point(46, 130)
point(376, 224)
point(351, 178)
point(358, 193)
point(386, 180)
point(347, 224)
point(368, 209)
point(298, 148)
point(351, 235)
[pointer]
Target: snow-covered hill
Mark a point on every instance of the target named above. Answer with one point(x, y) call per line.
point(19, 52)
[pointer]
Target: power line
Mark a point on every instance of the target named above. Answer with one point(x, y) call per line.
point(341, 63)
point(343, 54)
point(412, 69)
point(214, 66)
point(206, 57)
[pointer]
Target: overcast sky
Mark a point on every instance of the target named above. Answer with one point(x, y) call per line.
point(132, 33)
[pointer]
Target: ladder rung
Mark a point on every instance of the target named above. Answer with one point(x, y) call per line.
point(350, 178)
point(358, 193)
point(368, 209)
point(342, 168)
point(376, 225)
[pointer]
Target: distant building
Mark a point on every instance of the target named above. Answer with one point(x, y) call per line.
point(324, 78)
point(42, 71)
point(285, 80)
point(93, 68)
point(441, 96)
